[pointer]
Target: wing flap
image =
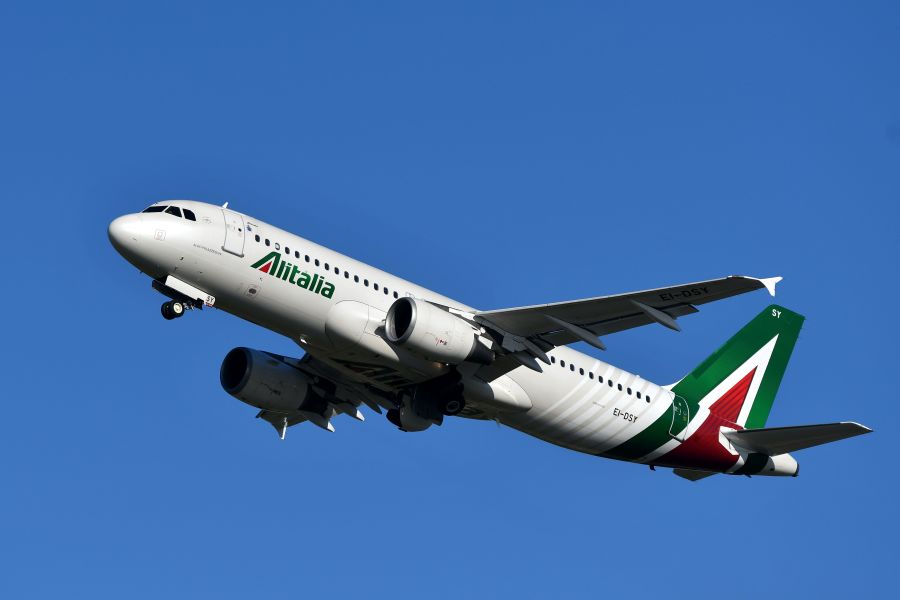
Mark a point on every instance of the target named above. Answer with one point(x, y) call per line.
point(780, 440)
point(280, 421)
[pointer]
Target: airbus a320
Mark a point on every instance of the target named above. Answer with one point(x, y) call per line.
point(373, 339)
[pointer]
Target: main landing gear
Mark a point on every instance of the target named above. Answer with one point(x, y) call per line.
point(172, 309)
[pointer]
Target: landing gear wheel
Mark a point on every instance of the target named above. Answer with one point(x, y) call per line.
point(172, 310)
point(452, 407)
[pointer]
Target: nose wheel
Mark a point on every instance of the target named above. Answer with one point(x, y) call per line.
point(172, 310)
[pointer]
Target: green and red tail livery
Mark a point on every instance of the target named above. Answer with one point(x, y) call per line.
point(736, 385)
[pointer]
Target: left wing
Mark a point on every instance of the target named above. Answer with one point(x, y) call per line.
point(561, 323)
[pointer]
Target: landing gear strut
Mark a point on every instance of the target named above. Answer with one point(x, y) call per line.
point(172, 310)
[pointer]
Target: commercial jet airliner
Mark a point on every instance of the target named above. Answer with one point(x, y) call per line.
point(373, 339)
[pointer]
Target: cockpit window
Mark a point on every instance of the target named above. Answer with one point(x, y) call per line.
point(189, 215)
point(154, 209)
point(174, 210)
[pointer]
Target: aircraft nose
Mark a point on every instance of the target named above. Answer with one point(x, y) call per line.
point(124, 232)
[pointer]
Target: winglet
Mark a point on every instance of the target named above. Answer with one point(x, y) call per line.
point(770, 282)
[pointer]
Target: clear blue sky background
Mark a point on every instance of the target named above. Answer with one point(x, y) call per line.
point(503, 154)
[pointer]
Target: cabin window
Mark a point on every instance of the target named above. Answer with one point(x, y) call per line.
point(562, 363)
point(571, 367)
point(153, 209)
point(257, 237)
point(553, 360)
point(337, 271)
point(277, 246)
point(356, 278)
point(647, 398)
point(385, 291)
point(610, 383)
point(620, 387)
point(600, 378)
point(267, 241)
point(629, 391)
point(316, 262)
point(174, 210)
point(297, 254)
point(366, 282)
point(396, 295)
point(346, 274)
point(581, 371)
point(306, 257)
point(189, 215)
point(590, 375)
point(287, 250)
point(375, 285)
point(326, 266)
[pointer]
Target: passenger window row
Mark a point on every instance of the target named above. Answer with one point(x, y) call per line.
point(172, 210)
point(326, 266)
point(590, 375)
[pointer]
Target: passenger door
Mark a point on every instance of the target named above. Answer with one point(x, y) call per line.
point(234, 233)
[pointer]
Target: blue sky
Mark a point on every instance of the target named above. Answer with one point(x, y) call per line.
point(500, 153)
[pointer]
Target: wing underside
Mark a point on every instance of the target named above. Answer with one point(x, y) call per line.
point(342, 396)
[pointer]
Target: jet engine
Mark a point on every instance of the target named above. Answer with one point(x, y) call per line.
point(267, 381)
point(434, 333)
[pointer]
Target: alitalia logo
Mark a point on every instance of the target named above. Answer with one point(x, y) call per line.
point(272, 264)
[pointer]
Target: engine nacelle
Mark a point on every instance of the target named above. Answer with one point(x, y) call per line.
point(433, 333)
point(267, 381)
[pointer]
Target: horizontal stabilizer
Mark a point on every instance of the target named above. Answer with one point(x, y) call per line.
point(779, 440)
point(692, 474)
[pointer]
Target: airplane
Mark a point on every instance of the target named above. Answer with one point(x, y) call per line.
point(371, 338)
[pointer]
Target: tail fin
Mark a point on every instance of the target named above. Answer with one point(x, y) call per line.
point(738, 382)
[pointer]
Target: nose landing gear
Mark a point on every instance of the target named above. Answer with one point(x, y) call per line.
point(172, 310)
point(184, 297)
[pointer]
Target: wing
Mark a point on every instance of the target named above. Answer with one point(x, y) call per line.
point(531, 330)
point(342, 397)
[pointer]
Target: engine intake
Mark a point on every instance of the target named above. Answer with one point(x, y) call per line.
point(266, 381)
point(434, 333)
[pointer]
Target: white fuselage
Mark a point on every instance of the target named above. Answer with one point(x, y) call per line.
point(577, 401)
